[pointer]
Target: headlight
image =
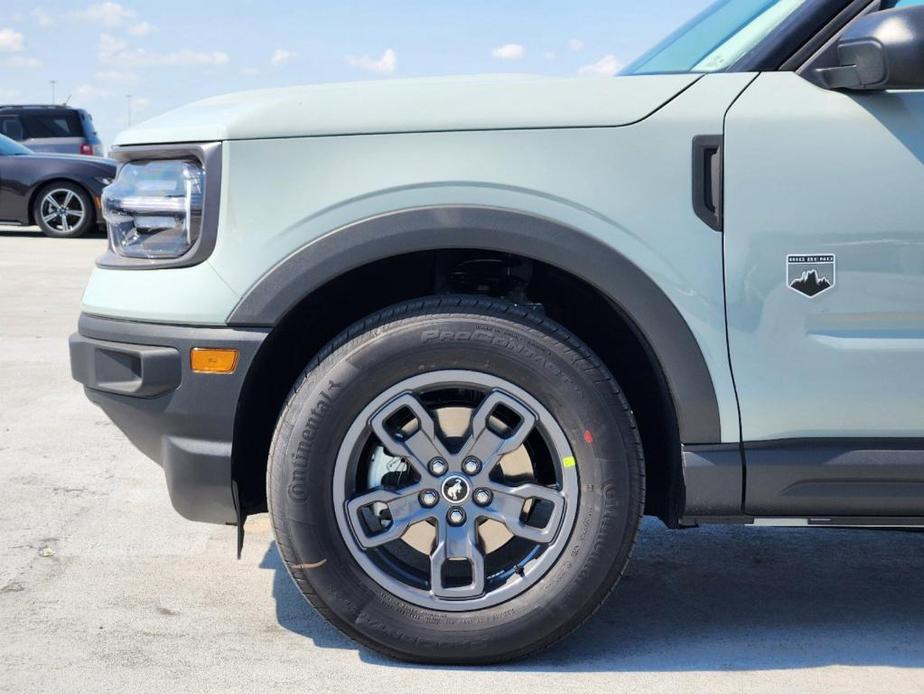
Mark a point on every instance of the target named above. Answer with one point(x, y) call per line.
point(154, 208)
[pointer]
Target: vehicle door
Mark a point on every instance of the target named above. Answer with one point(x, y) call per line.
point(824, 271)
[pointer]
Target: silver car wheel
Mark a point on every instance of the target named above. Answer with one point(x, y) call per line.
point(62, 210)
point(455, 522)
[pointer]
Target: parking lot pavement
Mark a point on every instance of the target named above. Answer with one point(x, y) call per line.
point(103, 588)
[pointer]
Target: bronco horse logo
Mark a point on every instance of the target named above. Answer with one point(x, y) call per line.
point(455, 489)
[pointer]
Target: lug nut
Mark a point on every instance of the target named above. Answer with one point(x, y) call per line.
point(471, 466)
point(482, 497)
point(438, 467)
point(429, 498)
point(456, 516)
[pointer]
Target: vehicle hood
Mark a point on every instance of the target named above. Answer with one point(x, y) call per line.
point(57, 156)
point(415, 105)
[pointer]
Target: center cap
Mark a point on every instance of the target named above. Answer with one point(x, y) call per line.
point(455, 489)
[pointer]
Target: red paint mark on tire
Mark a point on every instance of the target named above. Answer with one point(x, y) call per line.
point(588, 437)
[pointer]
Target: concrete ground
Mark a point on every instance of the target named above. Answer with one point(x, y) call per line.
point(103, 588)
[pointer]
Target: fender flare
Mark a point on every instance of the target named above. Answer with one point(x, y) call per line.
point(501, 230)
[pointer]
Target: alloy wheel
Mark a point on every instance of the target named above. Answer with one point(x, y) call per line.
point(455, 490)
point(62, 209)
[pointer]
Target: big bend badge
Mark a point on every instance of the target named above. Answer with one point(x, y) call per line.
point(810, 275)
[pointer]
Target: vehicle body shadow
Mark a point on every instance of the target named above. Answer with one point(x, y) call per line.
point(25, 232)
point(726, 598)
point(33, 232)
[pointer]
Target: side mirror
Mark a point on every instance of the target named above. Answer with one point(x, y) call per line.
point(883, 50)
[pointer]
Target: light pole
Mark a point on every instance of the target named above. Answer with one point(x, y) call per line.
point(128, 98)
point(53, 83)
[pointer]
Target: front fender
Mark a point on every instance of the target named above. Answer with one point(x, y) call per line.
point(509, 231)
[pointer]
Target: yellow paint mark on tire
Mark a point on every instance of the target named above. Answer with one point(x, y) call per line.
point(568, 461)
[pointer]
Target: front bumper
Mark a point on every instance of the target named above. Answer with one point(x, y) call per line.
point(139, 374)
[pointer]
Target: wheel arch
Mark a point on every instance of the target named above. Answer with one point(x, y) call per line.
point(389, 245)
point(39, 186)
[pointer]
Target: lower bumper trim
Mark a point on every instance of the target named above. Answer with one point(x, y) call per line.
point(140, 375)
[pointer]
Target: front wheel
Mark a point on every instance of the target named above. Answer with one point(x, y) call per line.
point(456, 480)
point(64, 210)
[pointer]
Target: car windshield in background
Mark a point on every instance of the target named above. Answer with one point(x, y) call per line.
point(10, 148)
point(53, 124)
point(717, 38)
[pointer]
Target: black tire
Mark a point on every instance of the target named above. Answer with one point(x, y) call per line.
point(524, 348)
point(79, 228)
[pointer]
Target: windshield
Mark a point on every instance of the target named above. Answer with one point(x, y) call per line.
point(9, 147)
point(717, 38)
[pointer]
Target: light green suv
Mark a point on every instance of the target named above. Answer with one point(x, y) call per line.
point(458, 335)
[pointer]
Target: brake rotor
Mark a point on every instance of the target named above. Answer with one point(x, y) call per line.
point(453, 423)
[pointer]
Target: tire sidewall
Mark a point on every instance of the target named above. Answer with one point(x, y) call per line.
point(562, 379)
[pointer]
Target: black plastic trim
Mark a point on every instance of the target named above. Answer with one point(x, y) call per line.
point(506, 231)
point(116, 367)
point(803, 31)
point(182, 420)
point(209, 156)
point(866, 522)
point(824, 40)
point(837, 477)
point(713, 477)
point(708, 179)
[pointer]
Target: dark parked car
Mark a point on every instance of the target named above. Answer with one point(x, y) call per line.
point(51, 129)
point(59, 192)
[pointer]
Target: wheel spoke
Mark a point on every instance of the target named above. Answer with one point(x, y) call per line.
point(417, 448)
point(48, 217)
point(67, 198)
point(507, 508)
point(485, 444)
point(457, 543)
point(75, 213)
point(404, 507)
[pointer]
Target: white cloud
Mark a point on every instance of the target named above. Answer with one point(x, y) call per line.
point(140, 103)
point(281, 56)
point(109, 14)
point(117, 77)
point(384, 65)
point(576, 45)
point(509, 51)
point(141, 58)
point(249, 71)
point(11, 41)
point(108, 46)
point(89, 92)
point(142, 29)
point(607, 66)
point(114, 51)
point(184, 57)
point(41, 17)
point(21, 61)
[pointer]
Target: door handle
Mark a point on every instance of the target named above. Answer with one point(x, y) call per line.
point(708, 185)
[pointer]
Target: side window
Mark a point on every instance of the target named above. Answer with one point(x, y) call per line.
point(905, 3)
point(12, 128)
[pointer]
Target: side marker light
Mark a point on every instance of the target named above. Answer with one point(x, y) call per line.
point(206, 360)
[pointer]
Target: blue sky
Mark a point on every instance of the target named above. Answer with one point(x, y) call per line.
point(170, 52)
